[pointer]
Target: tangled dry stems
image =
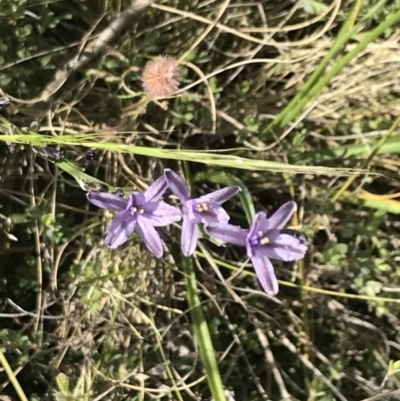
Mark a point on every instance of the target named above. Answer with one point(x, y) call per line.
point(119, 308)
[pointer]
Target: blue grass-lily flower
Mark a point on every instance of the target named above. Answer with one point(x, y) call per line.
point(205, 209)
point(141, 212)
point(265, 240)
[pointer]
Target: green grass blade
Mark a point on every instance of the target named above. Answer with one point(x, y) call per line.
point(208, 158)
point(84, 180)
point(11, 376)
point(379, 30)
point(375, 202)
point(346, 151)
point(318, 81)
point(343, 36)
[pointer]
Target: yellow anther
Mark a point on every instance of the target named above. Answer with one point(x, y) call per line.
point(265, 241)
point(141, 211)
point(260, 233)
point(205, 206)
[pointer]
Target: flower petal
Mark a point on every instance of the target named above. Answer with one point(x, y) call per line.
point(279, 219)
point(221, 215)
point(160, 214)
point(213, 215)
point(227, 233)
point(221, 195)
point(177, 184)
point(265, 274)
point(284, 247)
point(156, 189)
point(260, 223)
point(136, 199)
point(190, 234)
point(150, 237)
point(120, 229)
point(107, 201)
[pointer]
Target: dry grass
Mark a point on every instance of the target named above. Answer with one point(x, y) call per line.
point(116, 325)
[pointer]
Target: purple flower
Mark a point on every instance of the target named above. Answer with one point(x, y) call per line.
point(206, 209)
point(265, 240)
point(141, 212)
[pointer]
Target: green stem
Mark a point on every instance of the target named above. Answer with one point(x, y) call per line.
point(202, 332)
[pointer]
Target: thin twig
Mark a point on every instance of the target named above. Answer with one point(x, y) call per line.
point(23, 312)
point(269, 356)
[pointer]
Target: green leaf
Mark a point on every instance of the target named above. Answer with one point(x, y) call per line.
point(341, 249)
point(63, 383)
point(373, 287)
point(313, 7)
point(395, 369)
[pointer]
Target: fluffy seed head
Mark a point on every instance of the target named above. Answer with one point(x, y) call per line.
point(161, 77)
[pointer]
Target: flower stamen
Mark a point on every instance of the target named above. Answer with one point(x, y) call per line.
point(203, 207)
point(264, 241)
